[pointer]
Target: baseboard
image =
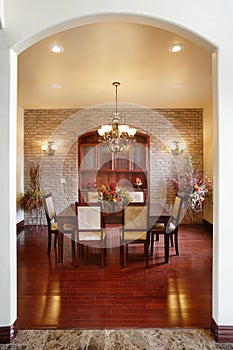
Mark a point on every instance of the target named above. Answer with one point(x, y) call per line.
point(208, 225)
point(20, 226)
point(222, 334)
point(8, 333)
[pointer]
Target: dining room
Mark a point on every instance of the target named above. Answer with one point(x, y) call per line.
point(174, 128)
point(208, 24)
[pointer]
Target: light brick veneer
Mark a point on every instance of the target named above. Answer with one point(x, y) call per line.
point(65, 125)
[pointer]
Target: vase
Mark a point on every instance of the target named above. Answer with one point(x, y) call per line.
point(111, 207)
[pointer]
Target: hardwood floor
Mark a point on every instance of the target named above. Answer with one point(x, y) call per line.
point(52, 295)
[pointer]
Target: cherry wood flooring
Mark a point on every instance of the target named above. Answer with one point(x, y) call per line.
point(59, 296)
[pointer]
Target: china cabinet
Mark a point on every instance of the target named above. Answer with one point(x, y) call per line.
point(98, 166)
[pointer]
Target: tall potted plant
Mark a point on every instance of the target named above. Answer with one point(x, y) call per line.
point(32, 199)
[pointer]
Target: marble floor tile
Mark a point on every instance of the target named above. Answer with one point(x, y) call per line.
point(138, 339)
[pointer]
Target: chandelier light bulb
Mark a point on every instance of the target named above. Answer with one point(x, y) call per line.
point(101, 131)
point(123, 128)
point(132, 131)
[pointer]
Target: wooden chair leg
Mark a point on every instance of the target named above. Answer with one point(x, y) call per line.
point(147, 248)
point(105, 252)
point(49, 243)
point(60, 246)
point(102, 257)
point(82, 247)
point(122, 258)
point(78, 255)
point(55, 240)
point(171, 239)
point(166, 247)
point(176, 243)
point(73, 249)
point(105, 255)
point(152, 243)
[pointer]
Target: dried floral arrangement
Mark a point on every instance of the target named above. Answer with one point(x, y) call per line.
point(32, 198)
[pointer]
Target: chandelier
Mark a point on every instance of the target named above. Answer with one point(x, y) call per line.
point(118, 135)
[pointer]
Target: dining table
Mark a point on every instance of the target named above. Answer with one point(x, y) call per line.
point(157, 214)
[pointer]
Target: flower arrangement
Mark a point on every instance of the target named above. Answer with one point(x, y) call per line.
point(114, 194)
point(32, 198)
point(201, 187)
point(138, 182)
point(195, 186)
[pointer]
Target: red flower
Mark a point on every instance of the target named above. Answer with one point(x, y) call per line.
point(112, 186)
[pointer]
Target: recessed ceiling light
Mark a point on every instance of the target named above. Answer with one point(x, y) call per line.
point(56, 48)
point(176, 48)
point(55, 86)
point(177, 85)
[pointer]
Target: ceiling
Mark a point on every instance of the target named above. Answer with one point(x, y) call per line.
point(95, 55)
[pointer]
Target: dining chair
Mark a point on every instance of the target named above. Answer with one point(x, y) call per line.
point(52, 223)
point(168, 230)
point(134, 229)
point(137, 196)
point(90, 230)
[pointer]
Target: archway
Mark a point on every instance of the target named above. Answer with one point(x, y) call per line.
point(139, 20)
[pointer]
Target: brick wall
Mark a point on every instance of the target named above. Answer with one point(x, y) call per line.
point(64, 126)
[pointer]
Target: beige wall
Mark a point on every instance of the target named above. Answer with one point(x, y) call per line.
point(20, 161)
point(208, 158)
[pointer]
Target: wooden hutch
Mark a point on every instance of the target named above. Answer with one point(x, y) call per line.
point(98, 166)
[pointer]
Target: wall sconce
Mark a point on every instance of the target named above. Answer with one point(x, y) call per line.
point(48, 148)
point(177, 149)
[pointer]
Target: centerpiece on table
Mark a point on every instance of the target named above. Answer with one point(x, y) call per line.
point(113, 197)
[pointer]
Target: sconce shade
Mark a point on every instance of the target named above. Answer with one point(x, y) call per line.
point(177, 148)
point(48, 148)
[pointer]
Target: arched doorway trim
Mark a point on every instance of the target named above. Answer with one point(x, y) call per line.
point(22, 45)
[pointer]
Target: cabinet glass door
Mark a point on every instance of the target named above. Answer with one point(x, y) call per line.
point(88, 157)
point(122, 160)
point(104, 157)
point(139, 157)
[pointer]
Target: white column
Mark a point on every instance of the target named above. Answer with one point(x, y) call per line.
point(223, 188)
point(8, 275)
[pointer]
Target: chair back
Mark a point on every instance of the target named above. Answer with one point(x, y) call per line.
point(137, 197)
point(176, 211)
point(89, 216)
point(50, 211)
point(135, 216)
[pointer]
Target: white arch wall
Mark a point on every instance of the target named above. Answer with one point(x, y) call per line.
point(27, 22)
